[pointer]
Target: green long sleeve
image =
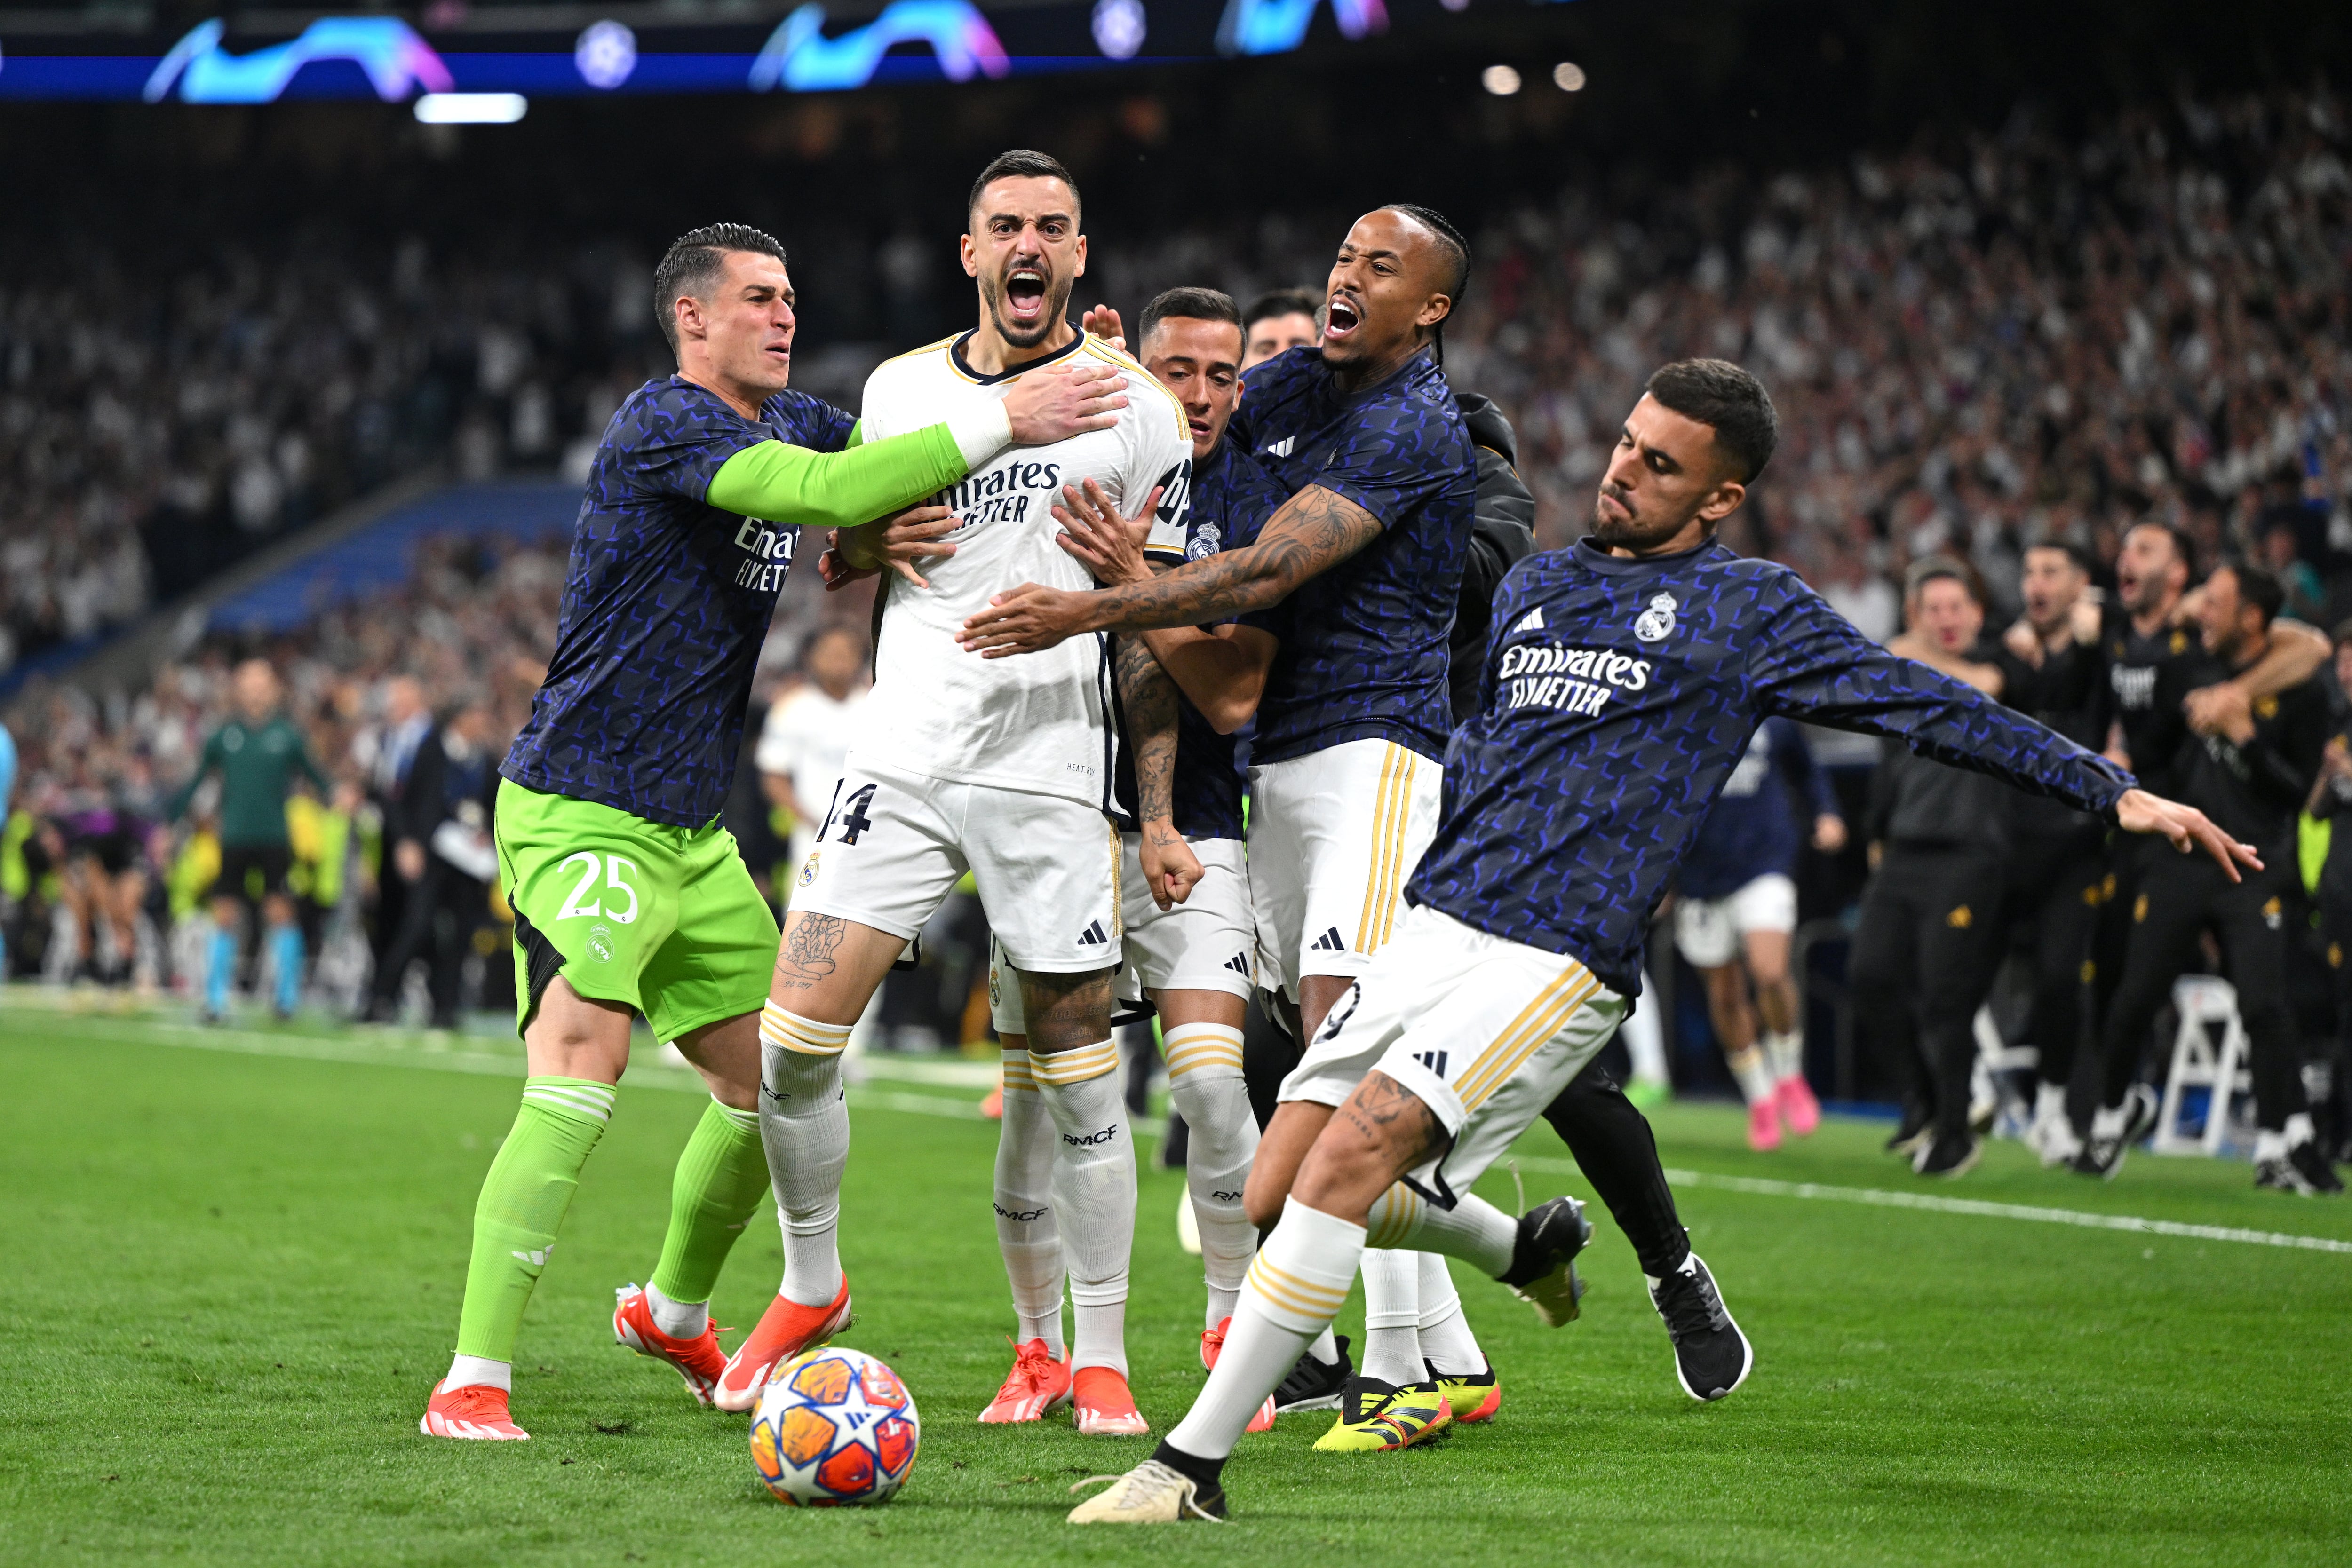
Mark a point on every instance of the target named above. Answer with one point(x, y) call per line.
point(781, 483)
point(177, 806)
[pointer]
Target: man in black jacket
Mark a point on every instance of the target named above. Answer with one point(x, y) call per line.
point(446, 816)
point(1927, 945)
point(2251, 776)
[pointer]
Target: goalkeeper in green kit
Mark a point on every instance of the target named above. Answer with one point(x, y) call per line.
point(628, 895)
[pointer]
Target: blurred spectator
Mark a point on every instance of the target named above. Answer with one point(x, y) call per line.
point(806, 739)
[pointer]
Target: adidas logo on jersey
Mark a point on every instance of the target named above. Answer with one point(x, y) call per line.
point(1328, 943)
point(1094, 935)
point(1282, 447)
point(1532, 621)
point(1239, 964)
point(1432, 1059)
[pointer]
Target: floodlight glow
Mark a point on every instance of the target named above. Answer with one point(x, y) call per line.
point(1568, 76)
point(606, 54)
point(471, 108)
point(1119, 26)
point(1500, 80)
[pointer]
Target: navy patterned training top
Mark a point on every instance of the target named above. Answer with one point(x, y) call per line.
point(665, 607)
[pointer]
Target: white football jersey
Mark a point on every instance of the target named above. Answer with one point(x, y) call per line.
point(1043, 723)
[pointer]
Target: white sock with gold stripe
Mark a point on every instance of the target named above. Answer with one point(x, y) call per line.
point(804, 1127)
point(1206, 1086)
point(1093, 1178)
point(1027, 1233)
point(1294, 1290)
point(1391, 1350)
point(1473, 1230)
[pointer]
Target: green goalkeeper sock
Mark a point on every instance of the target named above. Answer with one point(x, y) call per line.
point(521, 1206)
point(722, 1179)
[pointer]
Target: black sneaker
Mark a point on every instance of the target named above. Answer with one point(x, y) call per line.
point(1314, 1384)
point(1914, 1131)
point(2278, 1173)
point(2103, 1156)
point(1712, 1357)
point(2308, 1159)
point(1947, 1156)
point(1543, 1259)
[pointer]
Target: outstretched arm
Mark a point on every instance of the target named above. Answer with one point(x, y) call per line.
point(1314, 531)
point(2295, 654)
point(1221, 670)
point(788, 484)
point(1818, 667)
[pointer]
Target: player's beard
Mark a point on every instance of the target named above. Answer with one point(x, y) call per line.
point(1612, 531)
point(1057, 305)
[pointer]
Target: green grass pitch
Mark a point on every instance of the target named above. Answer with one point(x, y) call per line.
point(235, 1275)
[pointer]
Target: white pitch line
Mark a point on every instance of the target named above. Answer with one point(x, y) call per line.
point(437, 1056)
point(1765, 1187)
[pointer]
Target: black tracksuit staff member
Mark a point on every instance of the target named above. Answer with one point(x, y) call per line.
point(2058, 856)
point(2251, 775)
point(1929, 937)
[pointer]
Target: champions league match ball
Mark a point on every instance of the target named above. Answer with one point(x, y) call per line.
point(835, 1427)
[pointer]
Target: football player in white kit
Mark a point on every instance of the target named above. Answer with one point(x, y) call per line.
point(1194, 961)
point(1001, 769)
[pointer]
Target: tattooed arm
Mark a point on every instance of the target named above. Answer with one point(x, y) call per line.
point(1314, 531)
point(1169, 868)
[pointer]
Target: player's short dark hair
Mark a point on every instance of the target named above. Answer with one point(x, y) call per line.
point(1937, 568)
point(2258, 586)
point(1020, 164)
point(1188, 305)
point(2183, 545)
point(694, 262)
point(2341, 634)
point(2073, 552)
point(1720, 394)
point(1276, 302)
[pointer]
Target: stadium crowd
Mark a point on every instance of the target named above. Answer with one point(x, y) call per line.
point(2035, 340)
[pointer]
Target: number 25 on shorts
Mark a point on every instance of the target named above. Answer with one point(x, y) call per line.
point(616, 888)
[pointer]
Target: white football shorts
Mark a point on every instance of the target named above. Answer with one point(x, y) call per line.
point(1204, 943)
point(1486, 1032)
point(893, 845)
point(1708, 930)
point(1333, 837)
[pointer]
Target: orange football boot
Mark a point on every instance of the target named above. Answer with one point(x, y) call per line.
point(784, 1331)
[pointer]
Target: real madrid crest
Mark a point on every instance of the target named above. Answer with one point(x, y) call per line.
point(1657, 624)
point(1206, 540)
point(808, 867)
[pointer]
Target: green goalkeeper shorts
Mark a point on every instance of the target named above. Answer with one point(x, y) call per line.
point(665, 920)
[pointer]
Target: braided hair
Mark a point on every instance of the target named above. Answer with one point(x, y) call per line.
point(1457, 252)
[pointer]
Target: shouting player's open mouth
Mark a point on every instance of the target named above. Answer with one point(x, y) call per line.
point(1024, 297)
point(1340, 317)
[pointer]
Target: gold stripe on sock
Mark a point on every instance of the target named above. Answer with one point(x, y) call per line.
point(1395, 1214)
point(787, 1031)
point(1195, 1046)
point(1064, 1068)
point(1290, 1293)
point(1016, 1070)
